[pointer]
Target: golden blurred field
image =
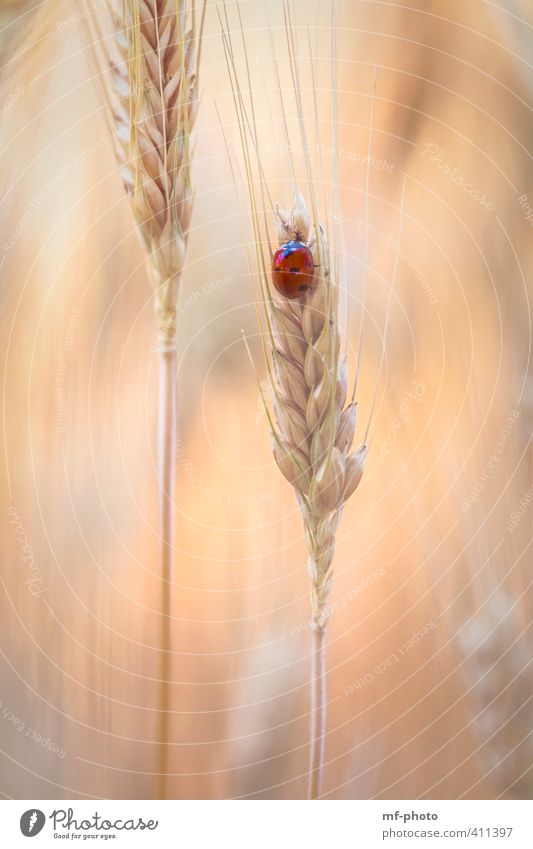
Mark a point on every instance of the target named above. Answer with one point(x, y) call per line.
point(437, 540)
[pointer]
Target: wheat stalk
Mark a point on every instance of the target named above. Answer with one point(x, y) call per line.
point(314, 423)
point(152, 91)
point(154, 107)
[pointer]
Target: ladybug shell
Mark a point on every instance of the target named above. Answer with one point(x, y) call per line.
point(293, 271)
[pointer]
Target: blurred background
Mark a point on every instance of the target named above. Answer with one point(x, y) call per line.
point(430, 640)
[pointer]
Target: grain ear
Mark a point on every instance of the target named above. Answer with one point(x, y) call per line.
point(316, 429)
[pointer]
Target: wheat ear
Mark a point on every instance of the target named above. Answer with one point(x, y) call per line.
point(313, 425)
point(153, 58)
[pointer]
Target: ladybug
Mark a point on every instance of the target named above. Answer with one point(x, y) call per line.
point(293, 270)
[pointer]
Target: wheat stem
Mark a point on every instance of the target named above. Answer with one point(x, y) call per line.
point(166, 482)
point(317, 737)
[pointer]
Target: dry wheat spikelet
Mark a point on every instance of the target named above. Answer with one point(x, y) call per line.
point(154, 100)
point(315, 424)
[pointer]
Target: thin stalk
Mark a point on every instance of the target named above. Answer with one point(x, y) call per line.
point(166, 483)
point(318, 710)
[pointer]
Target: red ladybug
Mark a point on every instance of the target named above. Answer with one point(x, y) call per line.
point(293, 270)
